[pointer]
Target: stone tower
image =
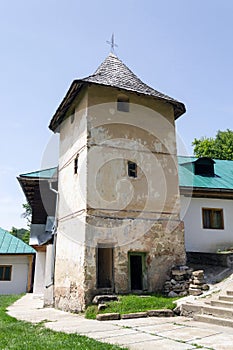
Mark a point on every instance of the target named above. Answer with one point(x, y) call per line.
point(119, 227)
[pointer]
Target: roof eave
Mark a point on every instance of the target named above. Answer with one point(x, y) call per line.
point(59, 115)
point(76, 87)
point(206, 192)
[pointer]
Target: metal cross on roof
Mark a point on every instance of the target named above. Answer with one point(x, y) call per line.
point(112, 43)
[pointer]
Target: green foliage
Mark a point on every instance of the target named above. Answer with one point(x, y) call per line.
point(133, 303)
point(21, 233)
point(20, 335)
point(91, 312)
point(27, 214)
point(220, 147)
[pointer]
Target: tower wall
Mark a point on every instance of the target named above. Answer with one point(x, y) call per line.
point(70, 245)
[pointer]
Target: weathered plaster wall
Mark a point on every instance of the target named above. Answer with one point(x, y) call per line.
point(103, 205)
point(144, 135)
point(198, 239)
point(69, 275)
point(161, 241)
point(132, 215)
point(69, 267)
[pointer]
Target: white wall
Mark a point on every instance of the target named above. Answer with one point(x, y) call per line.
point(39, 278)
point(198, 239)
point(19, 276)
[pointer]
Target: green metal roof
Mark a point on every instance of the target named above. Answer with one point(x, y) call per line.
point(10, 244)
point(42, 174)
point(223, 170)
point(223, 178)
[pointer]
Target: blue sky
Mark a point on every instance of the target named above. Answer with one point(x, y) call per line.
point(182, 48)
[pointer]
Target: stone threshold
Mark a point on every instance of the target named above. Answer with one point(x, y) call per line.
point(150, 313)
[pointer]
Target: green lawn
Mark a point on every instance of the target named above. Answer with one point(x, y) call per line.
point(20, 335)
point(133, 303)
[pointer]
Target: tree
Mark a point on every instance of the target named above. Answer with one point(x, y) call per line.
point(21, 233)
point(220, 147)
point(27, 214)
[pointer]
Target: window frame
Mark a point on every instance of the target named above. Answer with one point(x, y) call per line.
point(5, 267)
point(212, 210)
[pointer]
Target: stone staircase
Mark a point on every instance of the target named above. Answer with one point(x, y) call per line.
point(216, 311)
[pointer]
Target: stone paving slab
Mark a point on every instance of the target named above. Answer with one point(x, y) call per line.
point(137, 334)
point(128, 339)
point(82, 327)
point(141, 322)
point(217, 342)
point(159, 328)
point(161, 344)
point(116, 333)
point(186, 334)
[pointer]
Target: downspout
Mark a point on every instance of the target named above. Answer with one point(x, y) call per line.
point(55, 237)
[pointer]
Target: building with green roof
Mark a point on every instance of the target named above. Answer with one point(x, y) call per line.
point(16, 264)
point(206, 188)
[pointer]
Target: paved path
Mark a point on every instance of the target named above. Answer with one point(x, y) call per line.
point(138, 334)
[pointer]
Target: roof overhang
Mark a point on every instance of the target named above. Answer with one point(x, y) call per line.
point(78, 85)
point(39, 196)
point(199, 192)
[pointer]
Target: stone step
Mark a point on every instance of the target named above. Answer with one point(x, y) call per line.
point(230, 292)
point(221, 303)
point(190, 309)
point(226, 298)
point(217, 311)
point(213, 320)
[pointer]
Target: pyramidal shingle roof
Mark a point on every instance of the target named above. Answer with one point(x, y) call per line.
point(10, 244)
point(112, 72)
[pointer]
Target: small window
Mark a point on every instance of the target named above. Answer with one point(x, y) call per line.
point(76, 164)
point(5, 272)
point(132, 169)
point(212, 218)
point(123, 104)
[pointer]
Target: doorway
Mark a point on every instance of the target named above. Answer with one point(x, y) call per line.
point(136, 262)
point(104, 267)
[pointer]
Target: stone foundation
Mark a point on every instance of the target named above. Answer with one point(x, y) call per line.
point(160, 248)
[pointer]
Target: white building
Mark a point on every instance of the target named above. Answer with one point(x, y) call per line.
point(206, 188)
point(16, 264)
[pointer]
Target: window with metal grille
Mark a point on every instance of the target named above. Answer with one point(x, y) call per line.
point(212, 218)
point(5, 272)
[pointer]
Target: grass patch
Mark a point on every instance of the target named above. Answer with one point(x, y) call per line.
point(133, 303)
point(20, 335)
